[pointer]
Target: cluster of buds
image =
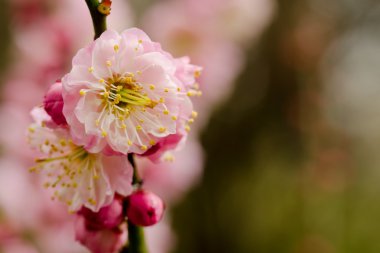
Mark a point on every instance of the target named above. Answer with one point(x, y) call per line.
point(103, 232)
point(124, 96)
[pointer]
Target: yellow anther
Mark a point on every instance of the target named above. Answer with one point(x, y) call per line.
point(119, 88)
point(199, 93)
point(82, 92)
point(47, 185)
point(166, 90)
point(138, 127)
point(116, 48)
point(129, 142)
point(91, 201)
point(104, 133)
point(108, 63)
point(31, 129)
point(194, 114)
point(169, 157)
point(162, 129)
point(123, 126)
point(106, 94)
point(101, 80)
point(62, 142)
point(187, 128)
point(141, 120)
point(144, 147)
point(191, 121)
point(97, 122)
point(69, 202)
point(162, 100)
point(75, 185)
point(152, 142)
point(91, 69)
point(178, 89)
point(174, 117)
point(197, 73)
point(138, 72)
point(96, 177)
point(166, 112)
point(152, 87)
point(140, 41)
point(190, 94)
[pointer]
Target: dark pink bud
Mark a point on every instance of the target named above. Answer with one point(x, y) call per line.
point(144, 208)
point(107, 217)
point(53, 103)
point(98, 241)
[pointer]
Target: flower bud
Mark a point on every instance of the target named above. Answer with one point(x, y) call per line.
point(107, 217)
point(98, 241)
point(144, 208)
point(53, 103)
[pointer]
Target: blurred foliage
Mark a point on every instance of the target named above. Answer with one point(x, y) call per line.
point(278, 176)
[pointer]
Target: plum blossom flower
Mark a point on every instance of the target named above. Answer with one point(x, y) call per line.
point(126, 94)
point(77, 177)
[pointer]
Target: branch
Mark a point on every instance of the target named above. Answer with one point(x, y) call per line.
point(99, 13)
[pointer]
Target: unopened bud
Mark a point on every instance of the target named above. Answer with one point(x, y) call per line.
point(53, 104)
point(144, 208)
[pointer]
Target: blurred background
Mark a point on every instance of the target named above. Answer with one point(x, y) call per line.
point(284, 156)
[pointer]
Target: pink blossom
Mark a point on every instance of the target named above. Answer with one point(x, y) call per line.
point(107, 217)
point(144, 208)
point(98, 241)
point(123, 92)
point(77, 176)
point(53, 103)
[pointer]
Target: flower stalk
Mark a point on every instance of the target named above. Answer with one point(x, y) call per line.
point(136, 239)
point(99, 14)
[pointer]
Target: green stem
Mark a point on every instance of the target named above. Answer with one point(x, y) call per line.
point(136, 238)
point(136, 180)
point(98, 19)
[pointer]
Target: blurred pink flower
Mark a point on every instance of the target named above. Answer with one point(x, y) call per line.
point(238, 20)
point(192, 34)
point(76, 176)
point(123, 92)
point(160, 238)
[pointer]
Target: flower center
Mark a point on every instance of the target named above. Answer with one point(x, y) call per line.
point(125, 91)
